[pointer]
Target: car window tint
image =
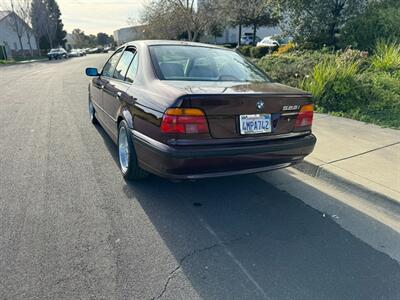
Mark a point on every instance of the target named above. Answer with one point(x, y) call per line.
point(109, 67)
point(130, 76)
point(123, 65)
point(192, 63)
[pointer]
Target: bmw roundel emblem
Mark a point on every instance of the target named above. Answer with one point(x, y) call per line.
point(260, 104)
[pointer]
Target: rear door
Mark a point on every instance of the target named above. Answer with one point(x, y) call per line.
point(116, 87)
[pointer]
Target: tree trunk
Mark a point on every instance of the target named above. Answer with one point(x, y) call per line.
point(195, 36)
point(189, 32)
point(29, 43)
point(50, 39)
point(254, 33)
point(240, 34)
point(20, 44)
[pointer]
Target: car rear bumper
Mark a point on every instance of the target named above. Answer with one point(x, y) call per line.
point(193, 162)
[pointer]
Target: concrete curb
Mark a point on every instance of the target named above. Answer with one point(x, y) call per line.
point(23, 62)
point(347, 185)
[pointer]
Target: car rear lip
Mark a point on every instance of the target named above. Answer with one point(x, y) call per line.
point(221, 174)
point(159, 153)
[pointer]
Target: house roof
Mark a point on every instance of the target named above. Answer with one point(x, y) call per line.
point(4, 13)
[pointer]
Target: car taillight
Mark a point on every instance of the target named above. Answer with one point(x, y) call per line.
point(184, 121)
point(305, 116)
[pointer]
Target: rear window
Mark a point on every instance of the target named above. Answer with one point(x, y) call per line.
point(193, 63)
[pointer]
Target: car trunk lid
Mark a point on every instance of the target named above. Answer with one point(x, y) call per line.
point(223, 105)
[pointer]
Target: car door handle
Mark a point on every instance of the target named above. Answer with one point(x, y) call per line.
point(118, 96)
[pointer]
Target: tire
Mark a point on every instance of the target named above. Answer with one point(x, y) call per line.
point(127, 155)
point(92, 113)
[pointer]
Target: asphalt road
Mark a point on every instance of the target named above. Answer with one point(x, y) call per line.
point(72, 228)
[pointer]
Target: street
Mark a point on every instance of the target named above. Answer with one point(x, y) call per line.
point(72, 228)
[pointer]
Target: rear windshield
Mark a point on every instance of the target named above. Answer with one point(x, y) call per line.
point(192, 63)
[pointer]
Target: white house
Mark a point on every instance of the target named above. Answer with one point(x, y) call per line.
point(11, 25)
point(231, 34)
point(128, 34)
point(70, 42)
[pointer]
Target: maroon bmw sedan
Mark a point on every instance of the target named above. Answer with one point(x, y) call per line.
point(188, 110)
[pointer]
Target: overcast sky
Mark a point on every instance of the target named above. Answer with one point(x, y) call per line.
point(93, 16)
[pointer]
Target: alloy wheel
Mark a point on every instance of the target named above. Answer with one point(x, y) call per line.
point(123, 149)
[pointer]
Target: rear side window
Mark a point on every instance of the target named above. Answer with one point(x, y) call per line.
point(109, 67)
point(131, 74)
point(123, 65)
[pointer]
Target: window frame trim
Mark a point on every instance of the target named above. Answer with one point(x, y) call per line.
point(137, 69)
point(116, 51)
point(134, 54)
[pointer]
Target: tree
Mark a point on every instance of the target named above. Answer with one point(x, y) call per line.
point(253, 13)
point(15, 21)
point(216, 29)
point(103, 39)
point(261, 13)
point(170, 18)
point(320, 22)
point(161, 21)
point(55, 14)
point(381, 20)
point(47, 23)
point(24, 11)
point(236, 13)
point(81, 40)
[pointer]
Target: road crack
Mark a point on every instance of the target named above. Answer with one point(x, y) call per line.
point(188, 256)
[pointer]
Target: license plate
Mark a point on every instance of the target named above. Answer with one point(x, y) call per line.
point(254, 124)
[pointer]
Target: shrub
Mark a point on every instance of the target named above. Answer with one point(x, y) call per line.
point(386, 57)
point(289, 47)
point(245, 50)
point(290, 68)
point(349, 55)
point(229, 45)
point(347, 83)
point(377, 22)
point(259, 52)
point(335, 86)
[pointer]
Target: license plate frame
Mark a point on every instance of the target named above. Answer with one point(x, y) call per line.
point(255, 124)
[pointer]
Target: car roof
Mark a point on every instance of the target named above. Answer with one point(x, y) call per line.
point(171, 42)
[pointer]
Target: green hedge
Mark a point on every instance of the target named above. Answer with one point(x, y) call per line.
point(258, 52)
point(255, 52)
point(345, 83)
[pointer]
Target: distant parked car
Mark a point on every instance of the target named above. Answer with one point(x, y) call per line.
point(74, 53)
point(247, 39)
point(95, 50)
point(82, 52)
point(268, 41)
point(274, 41)
point(57, 53)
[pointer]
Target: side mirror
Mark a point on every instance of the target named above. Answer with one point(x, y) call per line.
point(92, 72)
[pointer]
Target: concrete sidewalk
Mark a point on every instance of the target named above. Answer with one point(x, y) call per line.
point(362, 158)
